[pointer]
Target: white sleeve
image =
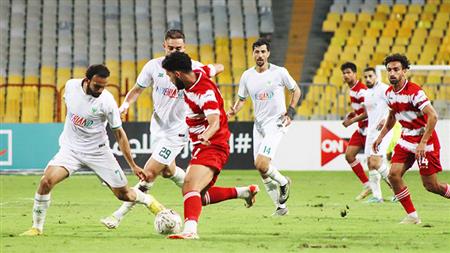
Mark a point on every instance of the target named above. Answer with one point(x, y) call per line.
point(287, 79)
point(145, 78)
point(243, 92)
point(113, 114)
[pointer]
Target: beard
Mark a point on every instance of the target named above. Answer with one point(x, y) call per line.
point(179, 84)
point(94, 94)
point(260, 62)
point(394, 80)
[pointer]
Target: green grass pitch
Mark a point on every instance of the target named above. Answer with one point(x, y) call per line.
point(313, 225)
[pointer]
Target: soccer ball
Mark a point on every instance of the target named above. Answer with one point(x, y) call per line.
point(168, 222)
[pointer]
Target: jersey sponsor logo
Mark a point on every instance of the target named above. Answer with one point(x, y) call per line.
point(160, 74)
point(331, 146)
point(170, 92)
point(262, 96)
point(80, 121)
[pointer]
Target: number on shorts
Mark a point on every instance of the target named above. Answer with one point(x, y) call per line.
point(266, 150)
point(118, 173)
point(165, 153)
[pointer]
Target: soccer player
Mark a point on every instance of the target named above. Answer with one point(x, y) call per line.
point(419, 142)
point(358, 139)
point(377, 111)
point(208, 131)
point(265, 84)
point(84, 143)
point(167, 127)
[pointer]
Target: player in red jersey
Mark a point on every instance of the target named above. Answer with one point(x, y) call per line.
point(418, 142)
point(358, 139)
point(208, 131)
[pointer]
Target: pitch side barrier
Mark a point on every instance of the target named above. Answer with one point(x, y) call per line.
point(308, 145)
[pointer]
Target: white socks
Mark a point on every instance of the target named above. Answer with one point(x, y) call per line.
point(383, 170)
point(127, 206)
point(190, 226)
point(273, 173)
point(374, 181)
point(41, 204)
point(178, 176)
point(272, 189)
point(242, 192)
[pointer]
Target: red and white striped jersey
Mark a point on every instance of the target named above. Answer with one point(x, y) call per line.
point(408, 103)
point(357, 100)
point(203, 99)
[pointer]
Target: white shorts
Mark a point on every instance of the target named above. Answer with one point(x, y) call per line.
point(103, 163)
point(370, 139)
point(165, 149)
point(265, 142)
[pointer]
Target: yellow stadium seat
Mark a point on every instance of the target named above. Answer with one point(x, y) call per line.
point(238, 61)
point(399, 8)
point(63, 75)
point(192, 50)
point(377, 24)
point(333, 16)
point(79, 72)
point(158, 54)
point(434, 77)
point(128, 74)
point(349, 16)
point(386, 41)
point(12, 113)
point(329, 26)
point(206, 54)
point(364, 17)
point(415, 8)
point(48, 75)
point(389, 33)
point(29, 104)
point(380, 17)
point(320, 79)
point(354, 41)
point(430, 8)
point(48, 105)
point(223, 56)
point(383, 8)
point(372, 33)
point(398, 49)
point(445, 8)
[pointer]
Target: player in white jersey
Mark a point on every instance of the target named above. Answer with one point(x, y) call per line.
point(265, 84)
point(377, 111)
point(168, 129)
point(84, 143)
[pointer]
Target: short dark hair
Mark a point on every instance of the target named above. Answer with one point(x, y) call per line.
point(260, 42)
point(174, 34)
point(349, 65)
point(369, 69)
point(177, 61)
point(397, 57)
point(97, 69)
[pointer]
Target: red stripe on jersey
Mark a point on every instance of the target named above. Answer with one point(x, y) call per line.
point(358, 98)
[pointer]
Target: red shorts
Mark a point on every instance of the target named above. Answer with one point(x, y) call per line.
point(212, 156)
point(402, 155)
point(357, 139)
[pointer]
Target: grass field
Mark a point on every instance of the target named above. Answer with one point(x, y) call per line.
point(313, 225)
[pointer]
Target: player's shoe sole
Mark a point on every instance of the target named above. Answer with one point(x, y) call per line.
point(251, 199)
point(182, 236)
point(285, 191)
point(281, 211)
point(32, 232)
point(410, 220)
point(363, 194)
point(110, 222)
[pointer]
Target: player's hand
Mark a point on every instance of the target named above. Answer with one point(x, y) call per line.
point(286, 121)
point(203, 140)
point(347, 122)
point(139, 172)
point(123, 109)
point(231, 112)
point(376, 144)
point(381, 124)
point(420, 151)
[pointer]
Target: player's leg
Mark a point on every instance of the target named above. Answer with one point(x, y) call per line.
point(374, 162)
point(197, 179)
point(402, 160)
point(217, 194)
point(134, 195)
point(428, 172)
point(263, 163)
point(355, 164)
point(52, 176)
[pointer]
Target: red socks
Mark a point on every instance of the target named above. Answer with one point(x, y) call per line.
point(219, 194)
point(192, 206)
point(359, 171)
point(405, 199)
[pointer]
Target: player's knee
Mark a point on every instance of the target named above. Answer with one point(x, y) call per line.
point(46, 184)
point(123, 195)
point(394, 176)
point(350, 158)
point(261, 165)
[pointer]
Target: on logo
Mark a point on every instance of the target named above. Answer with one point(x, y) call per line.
point(331, 146)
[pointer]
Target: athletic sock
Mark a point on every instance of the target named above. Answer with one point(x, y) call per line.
point(41, 204)
point(192, 211)
point(359, 171)
point(273, 173)
point(178, 176)
point(405, 199)
point(374, 180)
point(271, 189)
point(218, 194)
point(127, 206)
point(149, 201)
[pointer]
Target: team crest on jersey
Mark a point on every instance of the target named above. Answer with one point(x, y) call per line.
point(160, 74)
point(94, 110)
point(80, 121)
point(264, 95)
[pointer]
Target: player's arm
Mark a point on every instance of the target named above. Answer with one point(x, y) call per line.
point(236, 107)
point(218, 67)
point(213, 127)
point(347, 122)
point(130, 98)
point(432, 118)
point(296, 93)
point(388, 125)
point(122, 140)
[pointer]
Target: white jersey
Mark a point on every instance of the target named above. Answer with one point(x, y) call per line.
point(87, 117)
point(169, 109)
point(375, 104)
point(267, 92)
